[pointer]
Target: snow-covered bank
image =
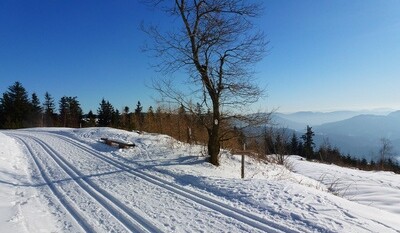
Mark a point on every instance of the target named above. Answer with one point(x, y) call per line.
point(22, 206)
point(166, 185)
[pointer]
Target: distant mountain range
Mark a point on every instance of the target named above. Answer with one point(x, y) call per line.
point(355, 132)
point(302, 119)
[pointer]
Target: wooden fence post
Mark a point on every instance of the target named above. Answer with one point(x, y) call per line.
point(242, 166)
point(244, 149)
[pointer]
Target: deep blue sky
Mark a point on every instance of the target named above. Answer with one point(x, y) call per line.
point(323, 55)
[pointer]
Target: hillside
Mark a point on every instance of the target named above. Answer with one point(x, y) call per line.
point(353, 132)
point(65, 180)
point(365, 126)
point(301, 119)
point(360, 135)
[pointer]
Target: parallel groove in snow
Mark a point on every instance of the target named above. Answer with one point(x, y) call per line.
point(137, 224)
point(243, 216)
point(291, 200)
point(66, 204)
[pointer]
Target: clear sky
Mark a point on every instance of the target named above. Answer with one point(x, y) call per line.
point(323, 55)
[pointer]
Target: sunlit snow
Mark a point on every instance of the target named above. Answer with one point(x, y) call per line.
point(66, 180)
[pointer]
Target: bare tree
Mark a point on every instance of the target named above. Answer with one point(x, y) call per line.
point(385, 151)
point(218, 45)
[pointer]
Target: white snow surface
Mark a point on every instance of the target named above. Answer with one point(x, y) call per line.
point(66, 180)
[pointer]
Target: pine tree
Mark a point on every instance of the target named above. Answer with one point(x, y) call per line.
point(116, 119)
point(91, 119)
point(372, 164)
point(105, 113)
point(70, 112)
point(75, 112)
point(15, 107)
point(139, 116)
point(37, 111)
point(63, 110)
point(308, 143)
point(139, 108)
point(125, 118)
point(49, 110)
point(364, 163)
point(294, 145)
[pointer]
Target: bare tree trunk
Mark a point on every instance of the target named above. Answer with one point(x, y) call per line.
point(214, 145)
point(218, 44)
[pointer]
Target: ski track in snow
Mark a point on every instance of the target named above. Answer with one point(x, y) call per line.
point(90, 189)
point(56, 191)
point(100, 195)
point(136, 224)
point(240, 215)
point(243, 216)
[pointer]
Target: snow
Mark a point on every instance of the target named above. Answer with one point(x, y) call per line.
point(66, 180)
point(372, 188)
point(21, 207)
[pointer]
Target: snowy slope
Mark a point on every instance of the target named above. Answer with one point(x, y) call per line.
point(65, 180)
point(378, 189)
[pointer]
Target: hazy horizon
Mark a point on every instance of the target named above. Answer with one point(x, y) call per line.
point(373, 110)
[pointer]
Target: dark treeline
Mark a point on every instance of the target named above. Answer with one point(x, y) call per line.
point(19, 110)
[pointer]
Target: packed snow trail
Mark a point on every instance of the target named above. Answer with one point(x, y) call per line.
point(243, 216)
point(58, 193)
point(227, 217)
point(98, 195)
point(162, 185)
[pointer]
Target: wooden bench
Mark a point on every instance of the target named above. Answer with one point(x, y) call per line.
point(120, 144)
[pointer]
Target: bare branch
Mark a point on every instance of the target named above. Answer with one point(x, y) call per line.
point(217, 45)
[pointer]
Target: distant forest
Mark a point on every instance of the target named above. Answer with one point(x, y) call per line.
point(18, 109)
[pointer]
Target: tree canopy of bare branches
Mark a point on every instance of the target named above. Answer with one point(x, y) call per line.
point(217, 44)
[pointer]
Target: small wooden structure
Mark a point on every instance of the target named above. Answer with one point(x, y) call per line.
point(113, 142)
point(243, 153)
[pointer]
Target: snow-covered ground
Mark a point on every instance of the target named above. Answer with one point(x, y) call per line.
point(65, 180)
